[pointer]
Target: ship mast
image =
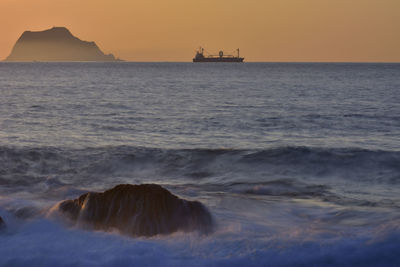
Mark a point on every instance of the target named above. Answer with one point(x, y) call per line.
point(201, 50)
point(238, 52)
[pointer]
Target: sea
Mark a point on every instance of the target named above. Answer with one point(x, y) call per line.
point(298, 163)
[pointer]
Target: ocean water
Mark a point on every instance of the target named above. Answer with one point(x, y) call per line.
point(299, 163)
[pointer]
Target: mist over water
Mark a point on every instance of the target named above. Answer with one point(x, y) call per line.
point(299, 163)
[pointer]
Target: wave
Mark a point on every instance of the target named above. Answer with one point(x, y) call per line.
point(195, 163)
point(281, 171)
point(47, 243)
point(269, 205)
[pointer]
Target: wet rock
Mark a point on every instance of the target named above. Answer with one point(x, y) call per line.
point(139, 210)
point(2, 224)
point(26, 213)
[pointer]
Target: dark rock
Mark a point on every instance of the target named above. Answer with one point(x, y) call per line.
point(56, 44)
point(2, 224)
point(25, 213)
point(139, 210)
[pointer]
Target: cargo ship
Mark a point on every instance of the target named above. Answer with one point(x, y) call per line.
point(200, 57)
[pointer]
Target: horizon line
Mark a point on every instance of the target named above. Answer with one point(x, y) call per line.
point(170, 61)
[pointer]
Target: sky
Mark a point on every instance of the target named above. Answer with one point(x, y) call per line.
point(172, 30)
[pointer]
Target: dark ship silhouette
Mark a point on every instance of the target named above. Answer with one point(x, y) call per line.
point(200, 57)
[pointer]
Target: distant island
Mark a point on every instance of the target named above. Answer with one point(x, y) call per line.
point(56, 44)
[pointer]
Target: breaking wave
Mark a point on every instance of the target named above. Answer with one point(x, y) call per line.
point(46, 243)
point(195, 163)
point(283, 171)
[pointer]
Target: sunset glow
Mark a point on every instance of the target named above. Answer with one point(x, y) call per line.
point(270, 30)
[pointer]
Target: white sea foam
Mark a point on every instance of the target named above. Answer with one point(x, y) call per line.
point(48, 243)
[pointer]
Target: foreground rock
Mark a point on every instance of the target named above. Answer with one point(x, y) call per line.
point(2, 224)
point(139, 210)
point(56, 44)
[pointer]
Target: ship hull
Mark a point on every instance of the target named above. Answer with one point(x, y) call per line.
point(218, 59)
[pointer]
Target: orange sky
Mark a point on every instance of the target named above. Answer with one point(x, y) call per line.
point(171, 30)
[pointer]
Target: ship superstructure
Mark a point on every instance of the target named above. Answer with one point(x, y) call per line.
point(201, 57)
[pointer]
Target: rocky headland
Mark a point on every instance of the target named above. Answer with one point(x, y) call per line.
point(56, 44)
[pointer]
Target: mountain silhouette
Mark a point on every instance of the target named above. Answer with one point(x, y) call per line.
point(55, 44)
